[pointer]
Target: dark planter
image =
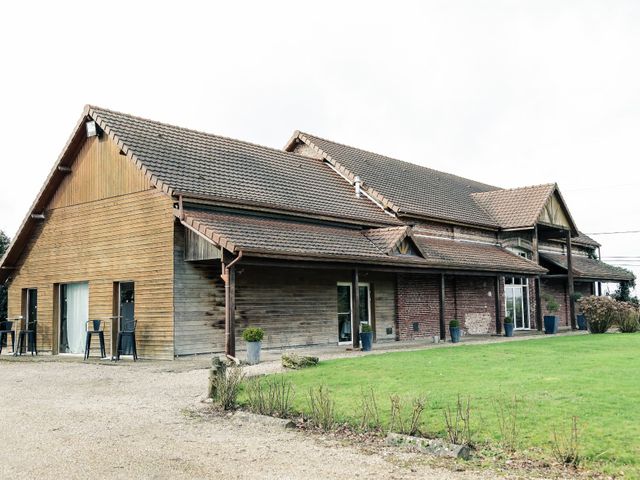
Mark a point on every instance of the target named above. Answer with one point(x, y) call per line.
point(582, 322)
point(551, 323)
point(455, 334)
point(366, 339)
point(508, 329)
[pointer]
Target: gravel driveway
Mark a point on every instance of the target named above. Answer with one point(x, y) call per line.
point(63, 419)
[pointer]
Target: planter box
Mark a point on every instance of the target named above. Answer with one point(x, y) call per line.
point(455, 334)
point(551, 323)
point(582, 322)
point(366, 339)
point(253, 352)
point(508, 329)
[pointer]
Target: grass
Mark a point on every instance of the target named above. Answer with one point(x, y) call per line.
point(593, 377)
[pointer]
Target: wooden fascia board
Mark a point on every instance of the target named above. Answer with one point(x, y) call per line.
point(276, 259)
point(208, 233)
point(408, 216)
point(261, 207)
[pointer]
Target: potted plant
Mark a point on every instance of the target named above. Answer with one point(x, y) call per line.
point(582, 320)
point(454, 331)
point(551, 321)
point(508, 326)
point(253, 336)
point(366, 337)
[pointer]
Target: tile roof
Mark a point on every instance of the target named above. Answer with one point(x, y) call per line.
point(199, 163)
point(387, 238)
point(589, 268)
point(406, 187)
point(473, 255)
point(279, 237)
point(584, 239)
point(517, 207)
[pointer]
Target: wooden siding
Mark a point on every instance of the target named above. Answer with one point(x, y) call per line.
point(128, 237)
point(197, 248)
point(294, 306)
point(98, 172)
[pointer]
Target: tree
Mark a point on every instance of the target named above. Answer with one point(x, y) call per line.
point(4, 243)
point(623, 292)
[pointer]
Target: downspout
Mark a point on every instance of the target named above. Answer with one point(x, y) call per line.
point(228, 276)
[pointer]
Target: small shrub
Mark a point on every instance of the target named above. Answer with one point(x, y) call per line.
point(551, 304)
point(322, 408)
point(566, 447)
point(628, 317)
point(458, 423)
point(253, 334)
point(366, 328)
point(404, 420)
point(508, 320)
point(454, 323)
point(600, 312)
point(226, 388)
point(369, 411)
point(270, 396)
point(507, 414)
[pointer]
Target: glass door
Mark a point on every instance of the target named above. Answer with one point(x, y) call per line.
point(516, 295)
point(74, 313)
point(345, 316)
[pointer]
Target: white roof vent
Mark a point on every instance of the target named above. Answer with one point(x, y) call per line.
point(358, 185)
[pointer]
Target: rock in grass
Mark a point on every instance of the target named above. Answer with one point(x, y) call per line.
point(295, 361)
point(432, 446)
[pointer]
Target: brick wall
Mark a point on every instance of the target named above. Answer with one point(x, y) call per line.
point(469, 299)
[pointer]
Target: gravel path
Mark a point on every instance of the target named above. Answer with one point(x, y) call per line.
point(73, 420)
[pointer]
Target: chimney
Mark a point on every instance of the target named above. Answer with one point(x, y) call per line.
point(357, 183)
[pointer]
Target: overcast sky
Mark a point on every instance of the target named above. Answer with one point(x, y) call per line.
point(510, 93)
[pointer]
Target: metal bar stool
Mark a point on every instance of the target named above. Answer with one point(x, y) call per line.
point(28, 331)
point(6, 330)
point(97, 328)
point(127, 338)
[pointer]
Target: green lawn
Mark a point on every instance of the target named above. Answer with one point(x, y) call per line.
point(594, 377)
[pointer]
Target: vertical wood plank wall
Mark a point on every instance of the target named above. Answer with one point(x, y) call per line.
point(105, 224)
point(293, 306)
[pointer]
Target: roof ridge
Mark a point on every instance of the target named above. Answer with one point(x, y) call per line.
point(526, 187)
point(191, 130)
point(300, 132)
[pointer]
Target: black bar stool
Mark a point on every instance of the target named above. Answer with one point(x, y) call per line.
point(97, 328)
point(28, 332)
point(127, 339)
point(6, 330)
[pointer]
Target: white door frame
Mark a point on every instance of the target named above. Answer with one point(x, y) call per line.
point(350, 285)
point(524, 291)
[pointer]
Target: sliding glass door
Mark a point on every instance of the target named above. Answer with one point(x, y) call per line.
point(74, 313)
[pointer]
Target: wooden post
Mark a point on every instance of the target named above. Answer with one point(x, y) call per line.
point(372, 312)
point(355, 309)
point(538, 304)
point(572, 306)
point(229, 278)
point(443, 330)
point(496, 294)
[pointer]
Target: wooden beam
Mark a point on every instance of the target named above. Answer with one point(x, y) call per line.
point(570, 286)
point(538, 304)
point(443, 330)
point(355, 309)
point(372, 312)
point(496, 294)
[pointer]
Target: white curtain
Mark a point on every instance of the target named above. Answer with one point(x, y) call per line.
point(77, 315)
